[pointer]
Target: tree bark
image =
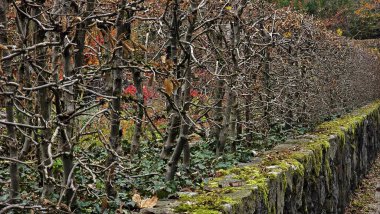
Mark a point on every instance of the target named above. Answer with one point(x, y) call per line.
point(224, 133)
point(9, 106)
point(183, 141)
point(123, 33)
point(172, 133)
point(171, 53)
point(227, 128)
point(137, 79)
point(218, 112)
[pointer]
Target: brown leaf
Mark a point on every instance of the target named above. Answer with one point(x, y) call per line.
point(175, 83)
point(64, 207)
point(138, 45)
point(163, 59)
point(186, 189)
point(104, 203)
point(149, 203)
point(3, 47)
point(64, 24)
point(218, 174)
point(127, 47)
point(110, 37)
point(137, 199)
point(169, 87)
point(170, 63)
point(237, 183)
point(47, 202)
point(146, 203)
point(152, 79)
point(77, 20)
point(120, 210)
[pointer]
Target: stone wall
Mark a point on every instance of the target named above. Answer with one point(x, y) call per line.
point(314, 173)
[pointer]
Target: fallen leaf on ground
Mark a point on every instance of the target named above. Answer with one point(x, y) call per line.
point(144, 203)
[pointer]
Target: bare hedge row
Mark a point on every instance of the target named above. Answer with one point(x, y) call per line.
point(232, 73)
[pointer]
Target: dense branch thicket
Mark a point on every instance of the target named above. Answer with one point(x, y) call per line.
point(91, 90)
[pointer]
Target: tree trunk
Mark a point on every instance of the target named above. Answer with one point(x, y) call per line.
point(115, 126)
point(24, 79)
point(9, 106)
point(137, 79)
point(173, 163)
point(234, 132)
point(227, 128)
point(44, 109)
point(171, 53)
point(182, 141)
point(47, 162)
point(248, 130)
point(172, 133)
point(216, 37)
point(266, 101)
point(123, 33)
point(218, 113)
point(67, 131)
point(223, 135)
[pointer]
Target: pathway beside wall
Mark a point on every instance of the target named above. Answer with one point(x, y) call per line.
point(366, 199)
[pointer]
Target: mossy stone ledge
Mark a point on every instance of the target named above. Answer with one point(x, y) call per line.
point(314, 173)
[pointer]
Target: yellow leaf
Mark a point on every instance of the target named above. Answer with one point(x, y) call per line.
point(287, 34)
point(339, 32)
point(169, 87)
point(228, 8)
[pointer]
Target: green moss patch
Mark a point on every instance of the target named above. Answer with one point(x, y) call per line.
point(206, 202)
